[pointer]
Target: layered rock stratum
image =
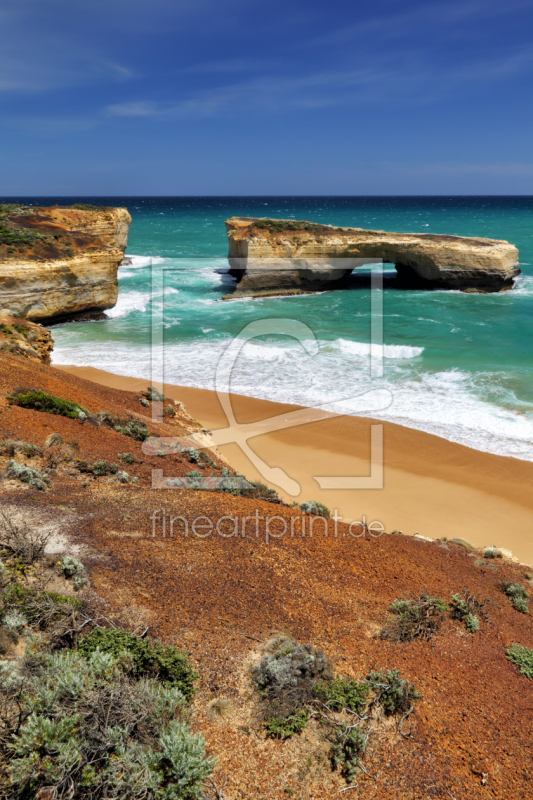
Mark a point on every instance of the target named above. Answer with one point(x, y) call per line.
point(271, 256)
point(59, 262)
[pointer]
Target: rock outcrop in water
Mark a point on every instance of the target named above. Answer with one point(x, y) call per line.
point(271, 256)
point(60, 262)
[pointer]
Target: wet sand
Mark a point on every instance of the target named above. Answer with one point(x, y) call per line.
point(430, 486)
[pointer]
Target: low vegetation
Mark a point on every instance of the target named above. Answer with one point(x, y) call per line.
point(468, 610)
point(102, 715)
point(316, 509)
point(170, 665)
point(417, 618)
point(297, 685)
point(522, 657)
point(42, 401)
point(279, 226)
point(518, 597)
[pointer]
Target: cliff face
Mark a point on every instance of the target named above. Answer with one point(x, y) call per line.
point(24, 338)
point(287, 257)
point(56, 262)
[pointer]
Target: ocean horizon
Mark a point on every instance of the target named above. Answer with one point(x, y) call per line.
point(456, 365)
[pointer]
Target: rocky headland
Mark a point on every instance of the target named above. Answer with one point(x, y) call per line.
point(60, 262)
point(272, 256)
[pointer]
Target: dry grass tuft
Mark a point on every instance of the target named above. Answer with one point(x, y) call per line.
point(221, 708)
point(53, 440)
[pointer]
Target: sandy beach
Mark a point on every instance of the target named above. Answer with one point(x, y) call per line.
point(431, 486)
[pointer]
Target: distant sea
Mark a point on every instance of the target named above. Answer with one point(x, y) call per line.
point(458, 365)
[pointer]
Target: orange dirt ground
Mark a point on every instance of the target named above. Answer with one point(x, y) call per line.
point(221, 597)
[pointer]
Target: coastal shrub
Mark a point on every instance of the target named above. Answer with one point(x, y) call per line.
point(33, 477)
point(396, 695)
point(31, 450)
point(467, 609)
point(317, 509)
point(522, 657)
point(42, 401)
point(170, 665)
point(199, 457)
point(518, 596)
point(127, 458)
point(101, 468)
point(342, 693)
point(492, 552)
point(169, 412)
point(134, 429)
point(75, 570)
point(285, 727)
point(90, 207)
point(417, 618)
point(280, 225)
point(287, 675)
point(16, 236)
point(347, 749)
point(152, 394)
point(258, 491)
point(89, 729)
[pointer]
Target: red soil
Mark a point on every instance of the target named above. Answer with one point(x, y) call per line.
point(471, 732)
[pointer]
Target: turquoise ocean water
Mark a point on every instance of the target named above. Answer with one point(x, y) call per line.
point(456, 365)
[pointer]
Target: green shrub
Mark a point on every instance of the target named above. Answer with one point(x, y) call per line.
point(419, 618)
point(285, 727)
point(347, 749)
point(33, 477)
point(90, 207)
point(154, 395)
point(42, 401)
point(133, 429)
point(127, 458)
point(518, 597)
point(471, 623)
point(463, 608)
point(91, 729)
point(101, 468)
point(522, 657)
point(171, 665)
point(342, 693)
point(395, 694)
point(287, 675)
point(317, 509)
point(74, 569)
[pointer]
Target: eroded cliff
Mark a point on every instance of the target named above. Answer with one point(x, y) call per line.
point(57, 262)
point(270, 256)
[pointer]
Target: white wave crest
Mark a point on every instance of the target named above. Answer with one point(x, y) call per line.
point(137, 262)
point(128, 302)
point(378, 351)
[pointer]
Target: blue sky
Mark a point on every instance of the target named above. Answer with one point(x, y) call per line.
point(248, 97)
